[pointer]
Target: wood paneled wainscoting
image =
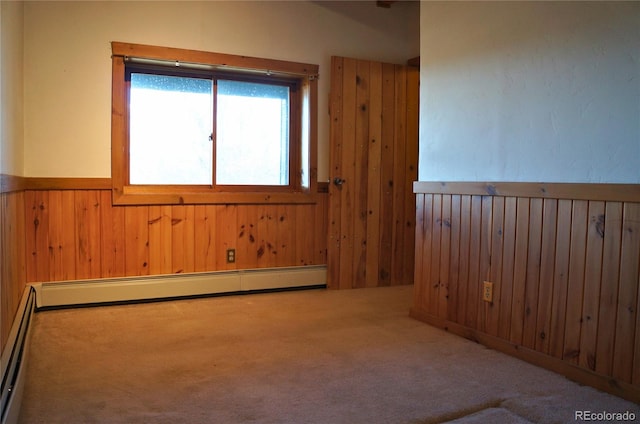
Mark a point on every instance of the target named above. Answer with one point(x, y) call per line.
point(65, 229)
point(564, 263)
point(77, 233)
point(12, 252)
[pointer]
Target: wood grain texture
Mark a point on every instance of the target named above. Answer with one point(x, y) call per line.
point(520, 271)
point(444, 286)
point(592, 282)
point(348, 190)
point(373, 156)
point(209, 58)
point(560, 279)
point(335, 153)
point(455, 259)
point(610, 277)
point(399, 251)
point(436, 248)
point(547, 269)
point(12, 259)
point(386, 175)
point(507, 268)
point(565, 270)
point(80, 234)
point(542, 190)
point(627, 311)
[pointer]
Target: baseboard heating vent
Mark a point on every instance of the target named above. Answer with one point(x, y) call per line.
point(14, 358)
point(113, 290)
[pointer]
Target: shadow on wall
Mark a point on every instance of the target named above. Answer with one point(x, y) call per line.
point(403, 17)
point(510, 29)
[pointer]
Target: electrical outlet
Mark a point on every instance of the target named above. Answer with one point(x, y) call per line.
point(231, 256)
point(487, 291)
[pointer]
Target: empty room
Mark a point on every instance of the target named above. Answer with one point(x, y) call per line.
point(441, 223)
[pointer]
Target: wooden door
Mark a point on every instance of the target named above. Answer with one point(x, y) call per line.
point(373, 163)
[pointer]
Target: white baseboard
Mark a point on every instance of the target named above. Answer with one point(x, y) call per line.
point(80, 292)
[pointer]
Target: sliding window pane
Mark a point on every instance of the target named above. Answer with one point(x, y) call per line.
point(252, 145)
point(171, 121)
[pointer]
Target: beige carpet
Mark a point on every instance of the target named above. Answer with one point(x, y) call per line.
point(313, 356)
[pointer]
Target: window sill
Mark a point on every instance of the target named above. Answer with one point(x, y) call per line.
point(145, 196)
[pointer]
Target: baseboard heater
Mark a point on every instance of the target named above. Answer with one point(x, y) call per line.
point(114, 290)
point(14, 359)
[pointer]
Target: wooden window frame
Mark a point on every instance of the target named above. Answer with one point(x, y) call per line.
point(297, 191)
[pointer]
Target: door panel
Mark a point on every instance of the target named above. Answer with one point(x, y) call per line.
point(373, 163)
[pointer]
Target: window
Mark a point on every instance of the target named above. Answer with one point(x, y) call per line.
point(197, 127)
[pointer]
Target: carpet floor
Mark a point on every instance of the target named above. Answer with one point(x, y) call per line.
point(312, 356)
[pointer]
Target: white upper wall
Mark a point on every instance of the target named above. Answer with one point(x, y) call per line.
point(67, 61)
point(11, 96)
point(530, 91)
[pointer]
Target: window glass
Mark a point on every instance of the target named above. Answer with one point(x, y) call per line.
point(170, 127)
point(252, 143)
point(304, 158)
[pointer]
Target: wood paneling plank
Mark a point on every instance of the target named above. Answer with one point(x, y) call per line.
point(56, 236)
point(575, 285)
point(463, 274)
point(361, 171)
point(386, 175)
point(419, 250)
point(454, 270)
point(247, 216)
point(475, 277)
point(547, 269)
point(533, 273)
point(508, 266)
point(347, 172)
point(592, 279)
point(189, 243)
point(411, 168)
point(435, 250)
point(37, 230)
point(205, 243)
point(321, 225)
point(308, 230)
point(608, 296)
point(445, 258)
point(136, 224)
point(399, 172)
point(374, 175)
point(626, 340)
point(113, 237)
point(285, 225)
point(335, 197)
point(182, 239)
point(160, 239)
point(486, 222)
point(427, 247)
point(520, 271)
point(492, 309)
point(87, 215)
point(560, 279)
